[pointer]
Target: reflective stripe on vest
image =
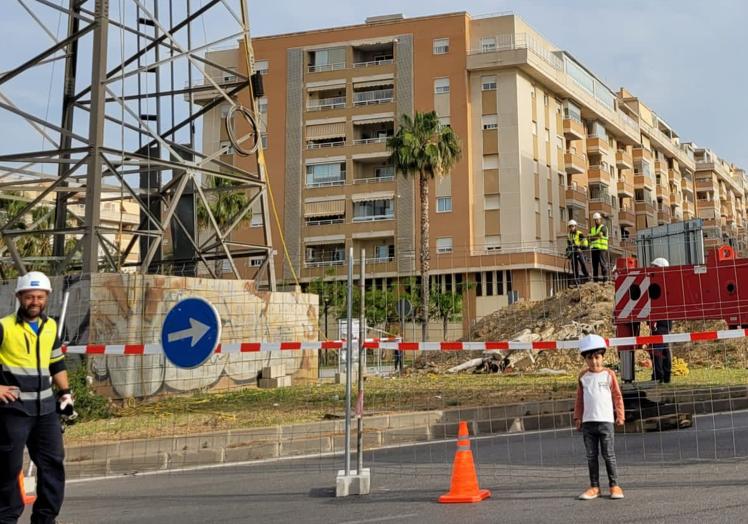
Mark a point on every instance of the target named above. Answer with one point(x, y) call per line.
point(602, 241)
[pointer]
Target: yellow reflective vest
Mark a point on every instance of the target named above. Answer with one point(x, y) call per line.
point(577, 239)
point(28, 361)
point(602, 241)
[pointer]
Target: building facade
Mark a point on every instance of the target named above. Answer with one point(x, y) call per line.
point(543, 141)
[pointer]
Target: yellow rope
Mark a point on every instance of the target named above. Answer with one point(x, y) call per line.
point(260, 152)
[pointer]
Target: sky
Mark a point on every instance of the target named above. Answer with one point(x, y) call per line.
point(684, 59)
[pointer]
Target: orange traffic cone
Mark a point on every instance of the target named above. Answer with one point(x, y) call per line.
point(464, 486)
point(28, 498)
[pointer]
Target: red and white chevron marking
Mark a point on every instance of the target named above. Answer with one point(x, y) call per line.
point(627, 307)
point(543, 345)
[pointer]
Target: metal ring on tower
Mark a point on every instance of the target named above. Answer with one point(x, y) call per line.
point(254, 131)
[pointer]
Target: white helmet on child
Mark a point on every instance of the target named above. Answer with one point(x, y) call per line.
point(33, 280)
point(660, 262)
point(591, 342)
point(571, 222)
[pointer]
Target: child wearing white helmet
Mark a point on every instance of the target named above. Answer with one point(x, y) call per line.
point(598, 406)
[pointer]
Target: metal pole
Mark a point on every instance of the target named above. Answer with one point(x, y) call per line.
point(349, 365)
point(63, 314)
point(361, 368)
point(96, 137)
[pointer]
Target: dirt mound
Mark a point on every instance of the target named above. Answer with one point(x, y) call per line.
point(573, 313)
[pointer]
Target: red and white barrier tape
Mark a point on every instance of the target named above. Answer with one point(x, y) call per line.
point(543, 345)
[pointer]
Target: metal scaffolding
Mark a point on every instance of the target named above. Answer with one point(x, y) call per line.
point(130, 131)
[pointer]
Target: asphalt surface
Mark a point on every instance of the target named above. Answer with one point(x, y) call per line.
point(698, 474)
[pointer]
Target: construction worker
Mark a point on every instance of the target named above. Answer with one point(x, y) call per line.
point(575, 244)
point(31, 361)
point(660, 353)
point(599, 248)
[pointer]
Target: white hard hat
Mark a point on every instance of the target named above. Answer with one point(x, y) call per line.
point(571, 223)
point(596, 216)
point(33, 280)
point(660, 262)
point(591, 343)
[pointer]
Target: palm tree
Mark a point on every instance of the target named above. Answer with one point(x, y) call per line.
point(225, 204)
point(426, 148)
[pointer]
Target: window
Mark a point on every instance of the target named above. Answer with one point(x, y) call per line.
point(490, 121)
point(254, 261)
point(493, 242)
point(441, 85)
point(444, 245)
point(487, 44)
point(444, 204)
point(489, 283)
point(445, 121)
point(384, 172)
point(325, 174)
point(385, 252)
point(224, 111)
point(491, 202)
point(262, 105)
point(547, 136)
point(369, 210)
point(488, 83)
point(262, 66)
point(499, 282)
point(478, 284)
point(534, 128)
point(441, 46)
point(226, 266)
point(256, 220)
point(490, 161)
point(264, 140)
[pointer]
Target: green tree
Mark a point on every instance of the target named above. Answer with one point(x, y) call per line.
point(332, 295)
point(226, 201)
point(446, 306)
point(29, 245)
point(425, 148)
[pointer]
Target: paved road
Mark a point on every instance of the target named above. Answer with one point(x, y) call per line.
point(695, 475)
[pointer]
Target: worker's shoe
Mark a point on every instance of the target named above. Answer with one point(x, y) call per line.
point(591, 493)
point(616, 492)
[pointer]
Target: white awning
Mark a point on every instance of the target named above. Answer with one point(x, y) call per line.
point(374, 234)
point(311, 88)
point(377, 195)
point(328, 239)
point(374, 120)
point(374, 83)
point(325, 131)
point(324, 209)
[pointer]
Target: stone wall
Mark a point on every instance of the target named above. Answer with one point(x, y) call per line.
point(124, 308)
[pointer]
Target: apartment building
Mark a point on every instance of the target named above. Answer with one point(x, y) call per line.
point(544, 140)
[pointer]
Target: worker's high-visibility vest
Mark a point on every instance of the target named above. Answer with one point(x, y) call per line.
point(26, 362)
point(602, 241)
point(577, 239)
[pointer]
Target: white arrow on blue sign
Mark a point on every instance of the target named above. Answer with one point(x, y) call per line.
point(190, 332)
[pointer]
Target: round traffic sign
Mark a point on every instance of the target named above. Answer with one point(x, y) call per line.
point(190, 332)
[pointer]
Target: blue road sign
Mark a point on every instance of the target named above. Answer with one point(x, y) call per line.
point(190, 332)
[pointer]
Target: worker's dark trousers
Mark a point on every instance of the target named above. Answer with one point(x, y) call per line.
point(43, 438)
point(599, 265)
point(579, 267)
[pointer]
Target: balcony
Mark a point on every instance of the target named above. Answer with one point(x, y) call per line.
point(705, 184)
point(598, 174)
point(374, 140)
point(642, 154)
point(626, 216)
point(643, 181)
point(602, 206)
point(323, 104)
point(325, 144)
point(576, 196)
point(597, 146)
point(661, 168)
point(575, 163)
point(374, 97)
point(624, 160)
point(675, 176)
point(625, 189)
point(643, 207)
point(664, 216)
point(573, 129)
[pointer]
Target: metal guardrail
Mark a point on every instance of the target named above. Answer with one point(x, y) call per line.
point(377, 140)
point(326, 67)
point(373, 63)
point(337, 102)
point(325, 145)
point(374, 180)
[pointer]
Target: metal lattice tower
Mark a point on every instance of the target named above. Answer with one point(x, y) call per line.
point(130, 132)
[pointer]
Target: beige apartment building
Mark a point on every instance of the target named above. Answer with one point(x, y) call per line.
point(543, 139)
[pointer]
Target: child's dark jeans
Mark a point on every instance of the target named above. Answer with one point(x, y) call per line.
point(598, 437)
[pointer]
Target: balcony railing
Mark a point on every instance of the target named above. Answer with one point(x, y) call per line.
point(379, 96)
point(337, 102)
point(326, 67)
point(374, 180)
point(327, 183)
point(376, 140)
point(325, 221)
point(323, 263)
point(324, 145)
point(373, 63)
point(374, 218)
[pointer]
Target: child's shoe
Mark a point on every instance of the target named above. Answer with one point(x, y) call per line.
point(591, 493)
point(616, 492)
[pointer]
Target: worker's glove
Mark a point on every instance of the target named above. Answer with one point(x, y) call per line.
point(65, 405)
